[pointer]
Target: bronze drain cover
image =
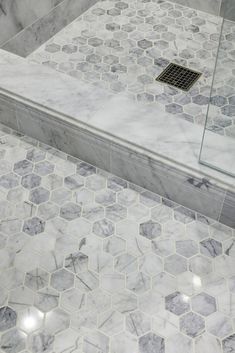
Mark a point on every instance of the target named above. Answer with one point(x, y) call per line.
point(179, 76)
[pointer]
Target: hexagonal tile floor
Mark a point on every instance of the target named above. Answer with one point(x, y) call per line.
point(124, 45)
point(90, 263)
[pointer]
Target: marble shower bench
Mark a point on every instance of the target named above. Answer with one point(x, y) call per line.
point(137, 142)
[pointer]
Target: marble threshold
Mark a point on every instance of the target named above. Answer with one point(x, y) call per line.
point(138, 142)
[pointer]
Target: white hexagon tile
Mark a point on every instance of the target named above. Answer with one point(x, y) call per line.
point(90, 263)
point(124, 45)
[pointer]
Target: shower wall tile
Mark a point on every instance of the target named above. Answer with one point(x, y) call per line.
point(228, 9)
point(47, 26)
point(210, 6)
point(16, 15)
point(228, 211)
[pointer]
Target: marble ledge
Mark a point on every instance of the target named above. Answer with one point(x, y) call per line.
point(170, 182)
point(157, 151)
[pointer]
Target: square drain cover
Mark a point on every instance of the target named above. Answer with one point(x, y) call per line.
point(179, 76)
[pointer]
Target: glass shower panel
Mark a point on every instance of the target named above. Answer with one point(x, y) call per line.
point(218, 145)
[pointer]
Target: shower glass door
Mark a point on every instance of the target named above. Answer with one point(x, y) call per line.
point(218, 144)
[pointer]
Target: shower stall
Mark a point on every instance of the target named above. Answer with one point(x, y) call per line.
point(218, 144)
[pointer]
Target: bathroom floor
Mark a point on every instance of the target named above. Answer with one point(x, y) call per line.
point(125, 45)
point(92, 264)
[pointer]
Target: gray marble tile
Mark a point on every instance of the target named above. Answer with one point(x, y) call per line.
point(111, 322)
point(14, 18)
point(13, 341)
point(177, 303)
point(81, 144)
point(124, 301)
point(207, 342)
point(41, 341)
point(96, 342)
point(7, 114)
point(211, 247)
point(34, 226)
point(150, 230)
point(36, 279)
point(92, 284)
point(228, 343)
point(62, 279)
point(56, 321)
point(138, 323)
point(77, 262)
point(7, 318)
point(99, 154)
point(192, 324)
point(210, 6)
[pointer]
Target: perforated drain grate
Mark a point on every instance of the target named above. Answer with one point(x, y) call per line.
point(179, 76)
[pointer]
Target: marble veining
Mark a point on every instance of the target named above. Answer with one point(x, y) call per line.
point(16, 15)
point(102, 265)
point(124, 47)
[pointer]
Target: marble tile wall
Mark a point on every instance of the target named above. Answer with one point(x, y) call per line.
point(24, 37)
point(16, 15)
point(176, 185)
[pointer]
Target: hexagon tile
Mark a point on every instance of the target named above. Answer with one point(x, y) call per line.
point(90, 263)
point(124, 45)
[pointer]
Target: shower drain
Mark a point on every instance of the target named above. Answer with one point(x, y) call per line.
point(179, 76)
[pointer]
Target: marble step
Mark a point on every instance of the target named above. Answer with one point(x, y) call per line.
point(137, 142)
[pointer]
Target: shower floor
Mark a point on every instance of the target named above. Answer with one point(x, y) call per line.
point(90, 263)
point(125, 45)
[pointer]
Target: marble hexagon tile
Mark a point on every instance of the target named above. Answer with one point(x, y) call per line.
point(93, 264)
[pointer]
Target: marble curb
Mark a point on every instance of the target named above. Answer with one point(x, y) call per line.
point(145, 169)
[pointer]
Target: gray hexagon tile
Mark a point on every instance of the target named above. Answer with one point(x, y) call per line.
point(7, 318)
point(204, 304)
point(36, 279)
point(192, 324)
point(91, 263)
point(137, 323)
point(177, 303)
point(151, 343)
point(13, 341)
point(123, 48)
point(62, 279)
